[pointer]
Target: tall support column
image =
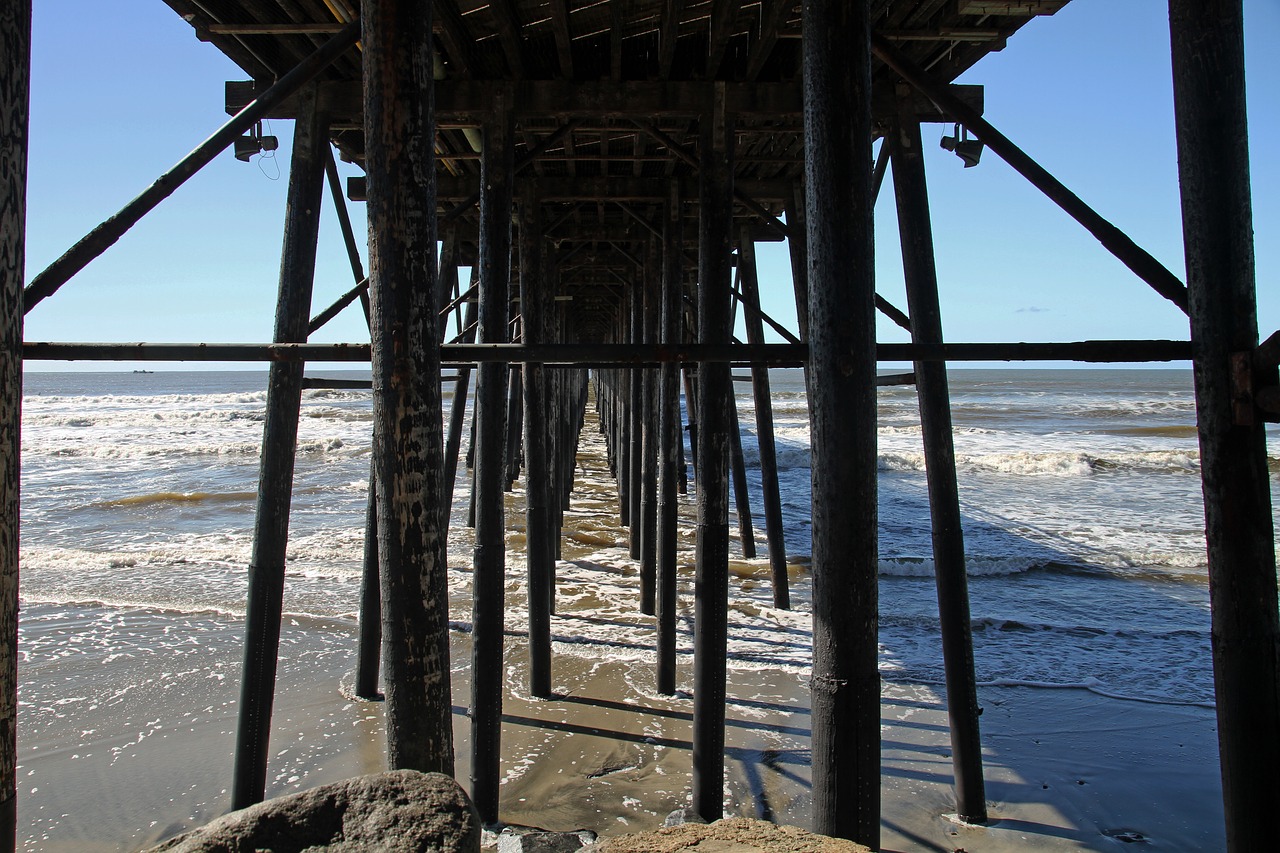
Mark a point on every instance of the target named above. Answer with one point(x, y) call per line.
point(399, 110)
point(15, 99)
point(1217, 223)
point(715, 152)
point(916, 231)
point(458, 407)
point(635, 420)
point(369, 647)
point(279, 441)
point(842, 417)
point(764, 426)
point(669, 442)
point(497, 163)
point(738, 468)
point(539, 527)
point(649, 436)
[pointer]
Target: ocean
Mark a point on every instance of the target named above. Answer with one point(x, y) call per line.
point(1083, 527)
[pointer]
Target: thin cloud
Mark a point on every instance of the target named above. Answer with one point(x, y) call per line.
point(1032, 309)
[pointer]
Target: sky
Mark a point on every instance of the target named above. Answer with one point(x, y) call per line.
point(120, 92)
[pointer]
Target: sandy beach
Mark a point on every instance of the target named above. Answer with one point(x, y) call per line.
point(1096, 729)
point(1067, 769)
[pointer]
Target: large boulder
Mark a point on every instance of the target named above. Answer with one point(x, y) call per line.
point(395, 812)
point(731, 835)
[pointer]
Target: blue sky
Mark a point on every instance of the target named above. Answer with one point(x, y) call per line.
point(121, 91)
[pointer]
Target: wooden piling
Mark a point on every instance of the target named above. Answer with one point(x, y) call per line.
point(1213, 168)
point(842, 415)
point(539, 531)
point(911, 194)
point(489, 564)
point(407, 437)
point(715, 222)
point(369, 643)
point(764, 427)
point(738, 469)
point(669, 442)
point(649, 436)
point(457, 415)
point(635, 420)
point(279, 440)
point(15, 82)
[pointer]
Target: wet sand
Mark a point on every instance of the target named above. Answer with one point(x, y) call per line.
point(119, 753)
point(127, 719)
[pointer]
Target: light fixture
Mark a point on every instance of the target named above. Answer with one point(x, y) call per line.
point(254, 142)
point(968, 150)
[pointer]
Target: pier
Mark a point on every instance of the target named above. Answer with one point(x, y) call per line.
point(607, 171)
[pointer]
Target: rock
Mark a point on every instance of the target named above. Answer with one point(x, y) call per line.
point(395, 812)
point(528, 839)
point(683, 816)
point(732, 835)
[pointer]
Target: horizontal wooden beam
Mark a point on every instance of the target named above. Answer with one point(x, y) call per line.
point(467, 102)
point(590, 355)
point(1009, 7)
point(325, 28)
point(613, 189)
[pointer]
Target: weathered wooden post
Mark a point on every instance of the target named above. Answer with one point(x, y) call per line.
point(649, 436)
point(369, 644)
point(715, 223)
point(458, 406)
point(916, 231)
point(842, 416)
point(635, 420)
point(1217, 224)
point(738, 470)
point(15, 100)
point(764, 426)
point(399, 114)
point(497, 163)
point(539, 528)
point(279, 441)
point(669, 442)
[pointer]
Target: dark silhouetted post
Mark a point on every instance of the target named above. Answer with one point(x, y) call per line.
point(715, 150)
point(1217, 224)
point(539, 528)
point(842, 417)
point(916, 231)
point(15, 99)
point(649, 436)
point(669, 442)
point(489, 564)
point(279, 441)
point(764, 427)
point(407, 436)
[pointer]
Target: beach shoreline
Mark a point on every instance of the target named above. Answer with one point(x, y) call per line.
point(1066, 768)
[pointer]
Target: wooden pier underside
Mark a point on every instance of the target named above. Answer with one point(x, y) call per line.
point(642, 147)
